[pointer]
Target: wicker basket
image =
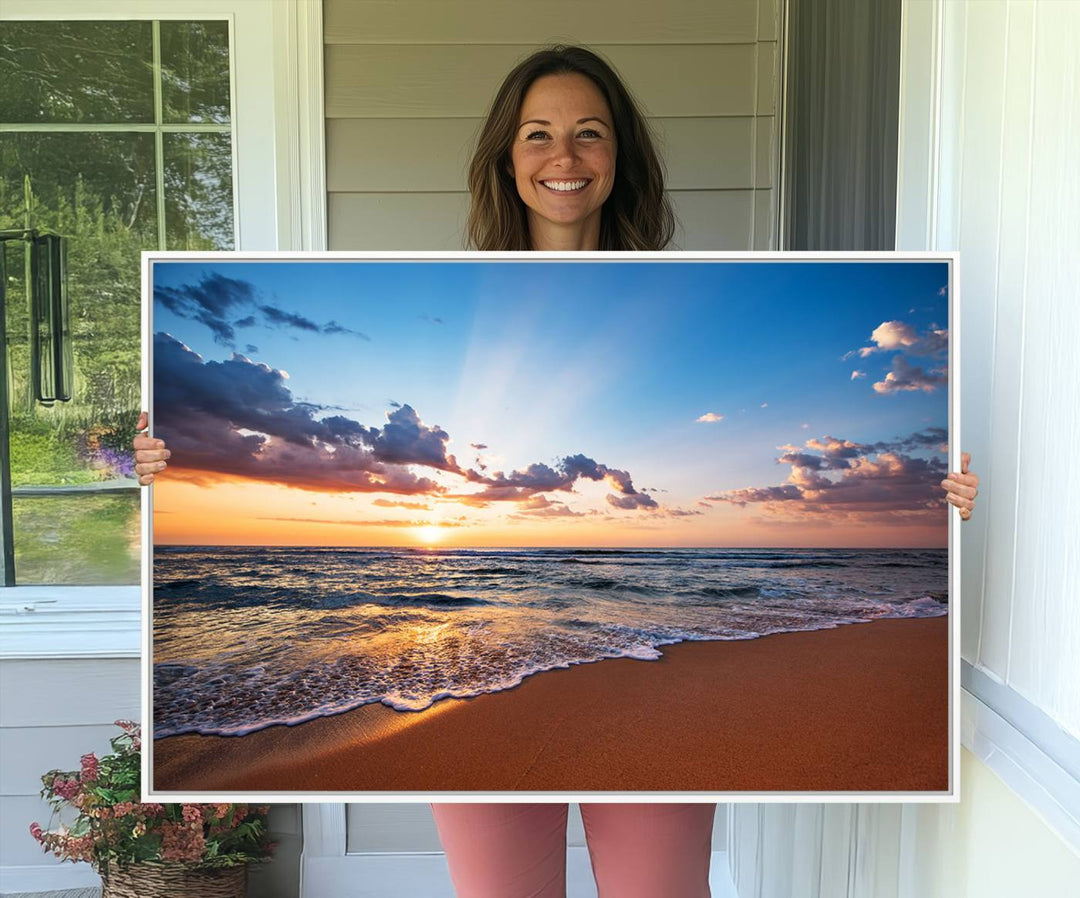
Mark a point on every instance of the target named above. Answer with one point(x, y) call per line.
point(174, 881)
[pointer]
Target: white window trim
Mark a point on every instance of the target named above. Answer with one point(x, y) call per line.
point(278, 145)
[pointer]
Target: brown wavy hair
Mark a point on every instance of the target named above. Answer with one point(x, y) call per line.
point(637, 214)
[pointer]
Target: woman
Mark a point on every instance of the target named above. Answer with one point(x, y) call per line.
point(565, 162)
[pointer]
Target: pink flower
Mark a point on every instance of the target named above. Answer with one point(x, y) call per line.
point(181, 842)
point(192, 813)
point(36, 832)
point(65, 788)
point(89, 767)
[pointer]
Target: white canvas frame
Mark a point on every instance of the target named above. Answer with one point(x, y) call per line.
point(329, 820)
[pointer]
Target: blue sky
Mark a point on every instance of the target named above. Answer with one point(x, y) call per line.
point(615, 360)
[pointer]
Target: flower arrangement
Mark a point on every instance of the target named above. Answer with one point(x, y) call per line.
point(113, 827)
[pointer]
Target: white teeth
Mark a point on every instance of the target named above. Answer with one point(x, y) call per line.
point(564, 185)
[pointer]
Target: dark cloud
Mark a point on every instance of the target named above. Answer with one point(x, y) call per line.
point(216, 299)
point(542, 478)
point(479, 447)
point(209, 302)
point(332, 327)
point(905, 377)
point(405, 439)
point(238, 417)
point(432, 319)
point(930, 439)
point(281, 318)
point(251, 348)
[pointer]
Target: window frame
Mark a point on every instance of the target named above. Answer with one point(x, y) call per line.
point(276, 92)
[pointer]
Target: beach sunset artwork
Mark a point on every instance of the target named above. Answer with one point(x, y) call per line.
point(519, 525)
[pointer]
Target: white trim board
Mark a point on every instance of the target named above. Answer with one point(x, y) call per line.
point(1023, 765)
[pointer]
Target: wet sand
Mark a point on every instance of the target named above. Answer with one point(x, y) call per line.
point(862, 707)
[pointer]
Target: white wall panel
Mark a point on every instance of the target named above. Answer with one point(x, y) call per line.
point(1005, 187)
point(979, 154)
point(1012, 225)
point(1045, 638)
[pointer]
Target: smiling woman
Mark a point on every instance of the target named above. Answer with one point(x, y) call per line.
point(561, 117)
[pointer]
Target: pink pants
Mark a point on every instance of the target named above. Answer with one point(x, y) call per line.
point(519, 850)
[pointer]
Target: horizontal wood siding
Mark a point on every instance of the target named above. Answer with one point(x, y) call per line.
point(522, 22)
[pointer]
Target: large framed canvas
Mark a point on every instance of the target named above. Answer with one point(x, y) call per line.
point(530, 525)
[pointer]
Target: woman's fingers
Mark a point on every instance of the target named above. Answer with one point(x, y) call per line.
point(964, 488)
point(959, 501)
point(154, 467)
point(149, 455)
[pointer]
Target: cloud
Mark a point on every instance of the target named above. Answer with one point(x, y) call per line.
point(238, 418)
point(542, 507)
point(385, 522)
point(332, 327)
point(855, 375)
point(764, 405)
point(479, 447)
point(905, 377)
point(405, 439)
point(898, 336)
point(412, 506)
point(541, 478)
point(208, 302)
point(709, 418)
point(288, 319)
point(216, 299)
point(842, 478)
point(432, 319)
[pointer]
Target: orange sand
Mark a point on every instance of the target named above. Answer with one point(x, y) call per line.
point(861, 707)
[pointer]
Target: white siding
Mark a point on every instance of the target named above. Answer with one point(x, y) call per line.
point(1009, 199)
point(407, 85)
point(53, 712)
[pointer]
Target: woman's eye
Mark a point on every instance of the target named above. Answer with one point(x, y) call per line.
point(589, 132)
point(536, 135)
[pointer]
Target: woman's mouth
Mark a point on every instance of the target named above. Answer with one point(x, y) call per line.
point(566, 186)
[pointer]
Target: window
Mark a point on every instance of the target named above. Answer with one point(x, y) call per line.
point(118, 136)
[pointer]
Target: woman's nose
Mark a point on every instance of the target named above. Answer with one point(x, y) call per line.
point(564, 150)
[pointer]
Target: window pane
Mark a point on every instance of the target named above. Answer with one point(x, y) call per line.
point(195, 71)
point(98, 191)
point(198, 191)
point(79, 540)
point(76, 72)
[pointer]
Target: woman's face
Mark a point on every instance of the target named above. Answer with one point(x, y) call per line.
point(563, 154)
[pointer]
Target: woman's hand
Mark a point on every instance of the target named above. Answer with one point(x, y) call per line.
point(961, 489)
point(150, 454)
